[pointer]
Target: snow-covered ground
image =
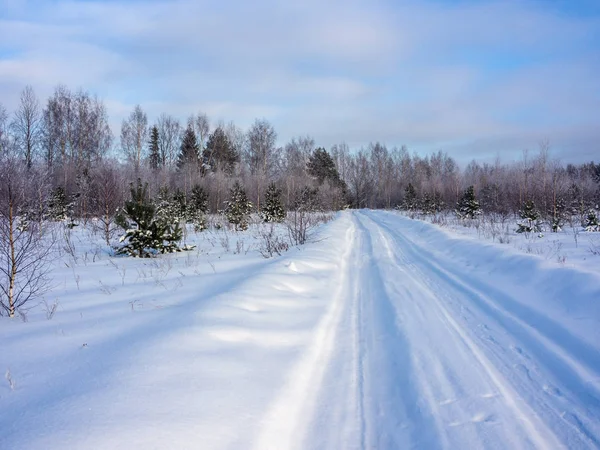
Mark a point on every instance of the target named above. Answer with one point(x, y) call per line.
point(384, 333)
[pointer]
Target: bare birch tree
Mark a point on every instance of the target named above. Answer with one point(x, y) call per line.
point(24, 248)
point(27, 125)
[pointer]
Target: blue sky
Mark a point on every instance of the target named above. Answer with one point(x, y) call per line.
point(474, 78)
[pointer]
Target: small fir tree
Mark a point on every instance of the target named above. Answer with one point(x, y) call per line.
point(238, 208)
point(432, 203)
point(145, 233)
point(411, 201)
point(530, 217)
point(558, 214)
point(273, 207)
point(592, 223)
point(197, 208)
point(468, 206)
point(58, 208)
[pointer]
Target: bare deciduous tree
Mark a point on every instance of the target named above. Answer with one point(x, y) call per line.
point(201, 126)
point(169, 137)
point(24, 247)
point(27, 125)
point(3, 130)
point(134, 136)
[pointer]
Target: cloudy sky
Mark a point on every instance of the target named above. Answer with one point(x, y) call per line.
point(474, 78)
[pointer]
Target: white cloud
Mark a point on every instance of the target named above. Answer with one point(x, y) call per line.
point(462, 75)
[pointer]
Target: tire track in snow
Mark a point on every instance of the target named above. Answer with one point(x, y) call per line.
point(573, 374)
point(543, 435)
point(285, 422)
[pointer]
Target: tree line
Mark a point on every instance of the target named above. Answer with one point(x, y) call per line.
point(68, 149)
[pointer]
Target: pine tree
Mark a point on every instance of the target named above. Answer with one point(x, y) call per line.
point(530, 215)
point(558, 214)
point(188, 153)
point(321, 166)
point(219, 152)
point(410, 202)
point(57, 206)
point(432, 203)
point(273, 207)
point(146, 233)
point(238, 208)
point(592, 223)
point(154, 158)
point(199, 199)
point(468, 206)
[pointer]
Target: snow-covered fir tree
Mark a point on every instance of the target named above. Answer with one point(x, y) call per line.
point(147, 233)
point(61, 208)
point(197, 208)
point(468, 207)
point(432, 203)
point(238, 208)
point(530, 217)
point(273, 206)
point(591, 222)
point(411, 200)
point(558, 214)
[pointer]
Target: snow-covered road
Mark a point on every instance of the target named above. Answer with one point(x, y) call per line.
point(387, 333)
point(417, 352)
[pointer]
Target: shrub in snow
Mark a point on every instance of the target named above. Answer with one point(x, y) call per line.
point(591, 223)
point(147, 233)
point(238, 208)
point(273, 206)
point(468, 206)
point(530, 217)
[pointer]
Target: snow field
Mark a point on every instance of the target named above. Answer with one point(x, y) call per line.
point(384, 333)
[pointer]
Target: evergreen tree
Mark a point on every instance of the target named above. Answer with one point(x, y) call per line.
point(558, 214)
point(147, 233)
point(58, 209)
point(197, 208)
point(273, 207)
point(321, 166)
point(188, 153)
point(432, 203)
point(592, 223)
point(468, 206)
point(410, 202)
point(219, 152)
point(199, 199)
point(154, 158)
point(530, 215)
point(238, 208)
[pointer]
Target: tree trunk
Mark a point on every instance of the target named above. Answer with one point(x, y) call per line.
point(13, 265)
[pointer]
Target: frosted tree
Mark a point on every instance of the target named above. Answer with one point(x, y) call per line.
point(591, 222)
point(146, 234)
point(530, 217)
point(273, 207)
point(468, 206)
point(411, 201)
point(238, 208)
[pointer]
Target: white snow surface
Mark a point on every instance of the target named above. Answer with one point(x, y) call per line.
point(384, 333)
